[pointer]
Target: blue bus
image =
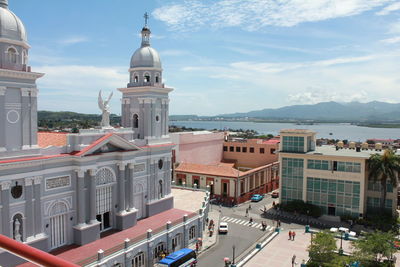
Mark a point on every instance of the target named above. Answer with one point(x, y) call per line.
point(182, 258)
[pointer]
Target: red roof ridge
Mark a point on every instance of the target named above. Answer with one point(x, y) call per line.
point(95, 143)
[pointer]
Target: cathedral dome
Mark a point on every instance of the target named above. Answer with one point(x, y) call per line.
point(11, 26)
point(146, 57)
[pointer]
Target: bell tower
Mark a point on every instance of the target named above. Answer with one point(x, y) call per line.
point(145, 101)
point(18, 91)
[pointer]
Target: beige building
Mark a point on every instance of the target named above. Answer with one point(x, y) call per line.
point(331, 177)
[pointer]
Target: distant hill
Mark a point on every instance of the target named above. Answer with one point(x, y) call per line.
point(325, 111)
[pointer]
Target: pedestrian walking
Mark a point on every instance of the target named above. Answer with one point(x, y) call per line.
point(290, 235)
point(293, 235)
point(247, 212)
point(279, 223)
point(251, 221)
point(249, 206)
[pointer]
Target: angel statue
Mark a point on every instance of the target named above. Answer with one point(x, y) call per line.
point(105, 108)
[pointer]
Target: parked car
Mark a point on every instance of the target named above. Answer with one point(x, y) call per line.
point(257, 197)
point(275, 194)
point(223, 228)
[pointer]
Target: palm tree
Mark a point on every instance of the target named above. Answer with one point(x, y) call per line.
point(384, 168)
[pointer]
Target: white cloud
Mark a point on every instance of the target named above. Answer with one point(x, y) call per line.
point(389, 9)
point(174, 52)
point(255, 14)
point(317, 95)
point(392, 40)
point(74, 40)
point(75, 88)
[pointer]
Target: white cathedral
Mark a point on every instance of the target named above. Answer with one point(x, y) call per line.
point(58, 190)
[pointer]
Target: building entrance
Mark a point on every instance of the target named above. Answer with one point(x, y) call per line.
point(332, 211)
point(105, 221)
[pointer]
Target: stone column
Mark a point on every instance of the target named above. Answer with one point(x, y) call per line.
point(92, 195)
point(34, 117)
point(25, 118)
point(121, 188)
point(38, 205)
point(2, 119)
point(5, 211)
point(29, 210)
point(153, 117)
point(81, 204)
point(130, 186)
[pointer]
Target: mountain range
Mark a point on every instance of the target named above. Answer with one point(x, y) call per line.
point(328, 111)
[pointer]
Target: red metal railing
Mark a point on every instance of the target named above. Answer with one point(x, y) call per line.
point(32, 254)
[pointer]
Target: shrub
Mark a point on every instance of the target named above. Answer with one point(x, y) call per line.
point(301, 207)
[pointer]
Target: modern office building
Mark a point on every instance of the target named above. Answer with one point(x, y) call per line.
point(100, 189)
point(332, 177)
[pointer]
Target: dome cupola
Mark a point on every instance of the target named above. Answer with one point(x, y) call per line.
point(145, 67)
point(11, 26)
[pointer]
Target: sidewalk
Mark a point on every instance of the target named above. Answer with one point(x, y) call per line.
point(207, 240)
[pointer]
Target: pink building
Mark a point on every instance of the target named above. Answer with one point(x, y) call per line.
point(202, 147)
point(251, 153)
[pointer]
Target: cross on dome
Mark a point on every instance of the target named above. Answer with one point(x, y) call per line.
point(146, 18)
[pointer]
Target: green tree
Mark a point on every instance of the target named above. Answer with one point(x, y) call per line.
point(374, 247)
point(384, 168)
point(322, 248)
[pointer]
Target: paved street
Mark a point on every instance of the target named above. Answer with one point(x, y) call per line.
point(241, 233)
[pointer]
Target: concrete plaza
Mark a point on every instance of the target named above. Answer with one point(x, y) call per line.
point(280, 250)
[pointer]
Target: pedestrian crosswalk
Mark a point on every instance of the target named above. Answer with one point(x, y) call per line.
point(245, 223)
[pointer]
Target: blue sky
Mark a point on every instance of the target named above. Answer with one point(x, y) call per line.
point(221, 56)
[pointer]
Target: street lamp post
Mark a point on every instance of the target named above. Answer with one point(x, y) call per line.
point(233, 254)
point(341, 243)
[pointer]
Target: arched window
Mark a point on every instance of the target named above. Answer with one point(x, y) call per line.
point(58, 224)
point(160, 189)
point(135, 121)
point(17, 227)
point(24, 57)
point(136, 79)
point(159, 250)
point(139, 260)
point(147, 78)
point(157, 79)
point(12, 55)
point(192, 232)
point(105, 179)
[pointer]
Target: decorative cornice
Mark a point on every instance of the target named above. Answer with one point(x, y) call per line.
point(15, 42)
point(126, 101)
point(165, 101)
point(121, 166)
point(146, 90)
point(5, 185)
point(80, 173)
point(20, 74)
point(147, 100)
point(38, 179)
point(144, 69)
point(31, 91)
point(28, 181)
point(92, 172)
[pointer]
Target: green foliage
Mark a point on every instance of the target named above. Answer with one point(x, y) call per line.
point(374, 248)
point(322, 248)
point(301, 207)
point(384, 168)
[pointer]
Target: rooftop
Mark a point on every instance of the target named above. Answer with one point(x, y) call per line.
point(330, 150)
point(221, 169)
point(46, 139)
point(76, 254)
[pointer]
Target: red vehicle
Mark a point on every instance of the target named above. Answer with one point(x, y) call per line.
point(275, 194)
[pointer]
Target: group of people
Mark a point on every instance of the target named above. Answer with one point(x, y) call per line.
point(292, 235)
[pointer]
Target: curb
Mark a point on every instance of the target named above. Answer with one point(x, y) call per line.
point(213, 244)
point(255, 251)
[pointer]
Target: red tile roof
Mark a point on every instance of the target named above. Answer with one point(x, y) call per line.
point(46, 139)
point(222, 169)
point(77, 254)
